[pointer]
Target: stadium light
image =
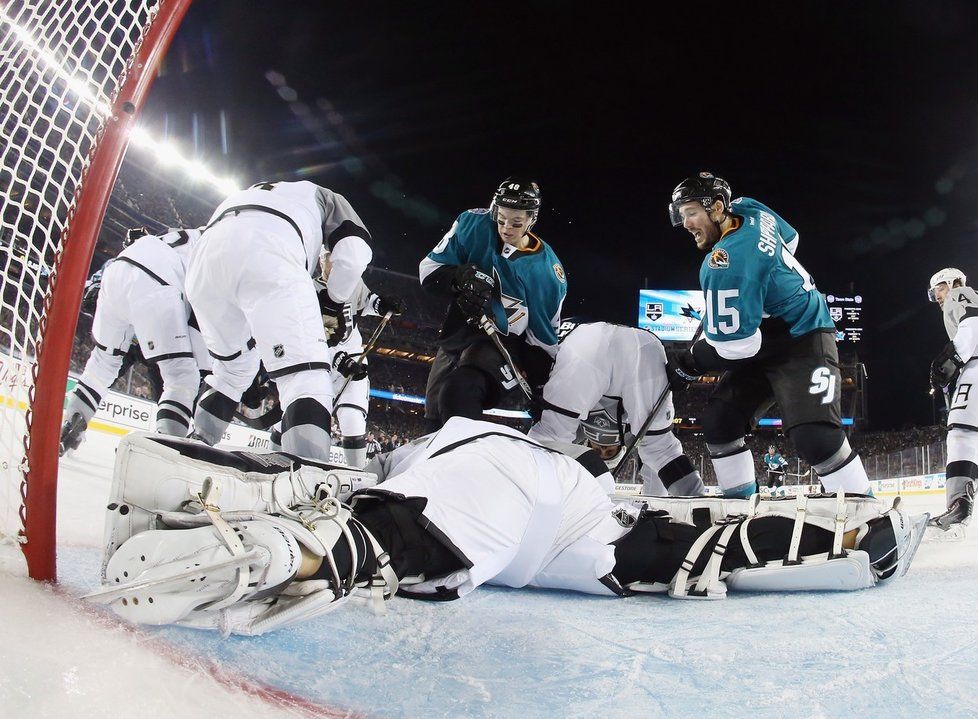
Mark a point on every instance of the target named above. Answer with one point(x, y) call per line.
point(89, 93)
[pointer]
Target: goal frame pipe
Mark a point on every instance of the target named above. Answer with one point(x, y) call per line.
point(57, 332)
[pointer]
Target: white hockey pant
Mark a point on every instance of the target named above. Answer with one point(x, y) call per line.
point(101, 371)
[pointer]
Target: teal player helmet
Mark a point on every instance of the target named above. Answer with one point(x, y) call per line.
point(704, 187)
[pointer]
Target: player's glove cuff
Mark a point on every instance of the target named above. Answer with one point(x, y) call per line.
point(347, 366)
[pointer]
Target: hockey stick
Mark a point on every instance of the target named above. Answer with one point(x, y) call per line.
point(371, 343)
point(490, 330)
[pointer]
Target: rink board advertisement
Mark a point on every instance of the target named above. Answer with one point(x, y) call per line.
point(673, 315)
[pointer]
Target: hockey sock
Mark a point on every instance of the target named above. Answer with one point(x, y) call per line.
point(681, 479)
point(734, 467)
point(305, 429)
point(355, 450)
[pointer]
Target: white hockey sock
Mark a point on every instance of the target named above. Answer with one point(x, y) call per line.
point(735, 473)
point(850, 477)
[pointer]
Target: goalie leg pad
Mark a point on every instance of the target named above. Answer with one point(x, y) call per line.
point(156, 563)
point(820, 573)
point(155, 474)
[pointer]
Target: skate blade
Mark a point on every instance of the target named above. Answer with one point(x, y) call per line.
point(954, 533)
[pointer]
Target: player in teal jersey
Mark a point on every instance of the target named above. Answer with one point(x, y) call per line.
point(768, 328)
point(491, 264)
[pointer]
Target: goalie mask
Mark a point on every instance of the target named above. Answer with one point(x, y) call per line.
point(950, 276)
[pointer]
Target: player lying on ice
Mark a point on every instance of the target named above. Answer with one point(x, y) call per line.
point(472, 504)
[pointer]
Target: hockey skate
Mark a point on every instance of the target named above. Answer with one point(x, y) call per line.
point(950, 526)
point(72, 434)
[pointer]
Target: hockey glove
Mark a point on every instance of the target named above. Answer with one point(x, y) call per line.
point(394, 305)
point(90, 296)
point(347, 366)
point(473, 289)
point(681, 369)
point(334, 318)
point(946, 367)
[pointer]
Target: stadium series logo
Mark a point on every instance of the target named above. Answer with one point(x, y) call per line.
point(653, 311)
point(719, 259)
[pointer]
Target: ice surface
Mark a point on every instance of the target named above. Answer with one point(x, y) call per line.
point(905, 649)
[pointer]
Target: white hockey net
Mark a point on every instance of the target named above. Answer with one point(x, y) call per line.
point(63, 64)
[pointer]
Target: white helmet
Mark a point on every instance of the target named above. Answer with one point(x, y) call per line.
point(948, 276)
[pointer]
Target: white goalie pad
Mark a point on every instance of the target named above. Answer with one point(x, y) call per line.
point(821, 510)
point(837, 570)
point(815, 573)
point(155, 474)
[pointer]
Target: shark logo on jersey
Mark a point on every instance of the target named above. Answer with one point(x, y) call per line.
point(653, 310)
point(517, 316)
point(559, 271)
point(719, 259)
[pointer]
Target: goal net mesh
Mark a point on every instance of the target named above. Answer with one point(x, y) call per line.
point(62, 65)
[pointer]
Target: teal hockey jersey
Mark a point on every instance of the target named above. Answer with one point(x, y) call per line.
point(531, 284)
point(751, 275)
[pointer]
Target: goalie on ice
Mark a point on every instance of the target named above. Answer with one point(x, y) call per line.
point(475, 503)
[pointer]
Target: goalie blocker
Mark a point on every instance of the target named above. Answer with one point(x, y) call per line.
point(284, 546)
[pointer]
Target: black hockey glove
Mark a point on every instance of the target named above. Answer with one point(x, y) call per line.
point(347, 366)
point(334, 318)
point(946, 367)
point(473, 290)
point(394, 305)
point(681, 369)
point(90, 296)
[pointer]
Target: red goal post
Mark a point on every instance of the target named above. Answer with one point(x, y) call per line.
point(73, 77)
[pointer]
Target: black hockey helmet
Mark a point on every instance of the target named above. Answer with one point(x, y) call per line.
point(517, 193)
point(704, 188)
point(133, 234)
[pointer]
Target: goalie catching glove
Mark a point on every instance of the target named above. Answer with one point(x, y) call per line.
point(473, 289)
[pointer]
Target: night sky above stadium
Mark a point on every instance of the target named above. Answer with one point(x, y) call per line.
point(857, 122)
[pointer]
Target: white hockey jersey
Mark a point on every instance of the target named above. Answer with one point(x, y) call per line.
point(317, 217)
point(546, 522)
point(616, 371)
point(162, 257)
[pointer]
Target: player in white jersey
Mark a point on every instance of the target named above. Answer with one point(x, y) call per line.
point(250, 281)
point(606, 379)
point(140, 296)
point(351, 383)
point(955, 373)
point(474, 503)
